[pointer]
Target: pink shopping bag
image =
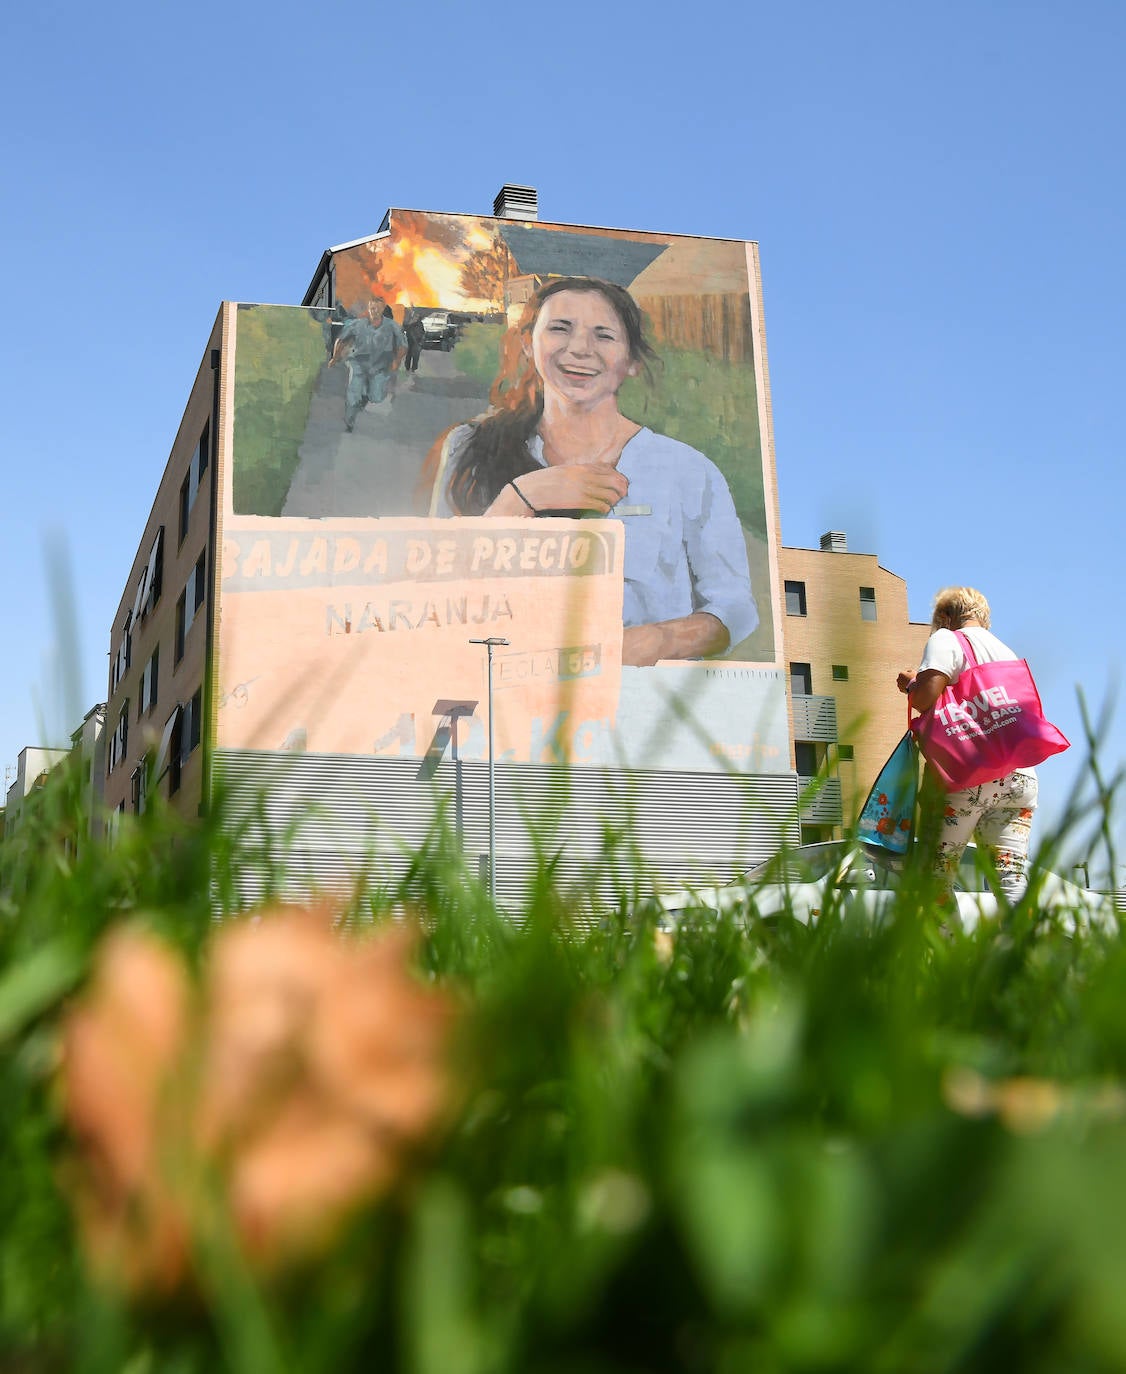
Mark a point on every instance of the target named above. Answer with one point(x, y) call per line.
point(986, 724)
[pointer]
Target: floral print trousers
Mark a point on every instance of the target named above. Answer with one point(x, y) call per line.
point(1000, 815)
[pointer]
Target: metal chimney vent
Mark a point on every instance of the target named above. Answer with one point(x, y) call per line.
point(517, 202)
point(834, 542)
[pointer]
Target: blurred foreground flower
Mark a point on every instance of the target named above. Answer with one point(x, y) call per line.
point(1027, 1105)
point(121, 1046)
point(294, 1085)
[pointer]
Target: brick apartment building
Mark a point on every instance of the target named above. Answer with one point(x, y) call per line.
point(244, 584)
point(847, 633)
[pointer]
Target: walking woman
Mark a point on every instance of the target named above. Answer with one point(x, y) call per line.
point(998, 812)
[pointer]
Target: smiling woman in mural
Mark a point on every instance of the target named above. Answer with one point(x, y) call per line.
point(556, 443)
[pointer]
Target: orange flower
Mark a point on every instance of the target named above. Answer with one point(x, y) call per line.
point(313, 1062)
point(325, 1062)
point(379, 1054)
point(1024, 1105)
point(121, 1047)
point(297, 1178)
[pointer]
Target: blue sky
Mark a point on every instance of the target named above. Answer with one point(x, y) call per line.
point(937, 192)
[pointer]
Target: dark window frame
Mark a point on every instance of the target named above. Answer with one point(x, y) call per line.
point(805, 753)
point(196, 732)
point(185, 508)
point(192, 484)
point(150, 684)
point(175, 762)
point(138, 785)
point(191, 730)
point(200, 581)
point(796, 590)
point(804, 671)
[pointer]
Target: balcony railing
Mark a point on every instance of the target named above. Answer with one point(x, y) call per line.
point(823, 805)
point(815, 718)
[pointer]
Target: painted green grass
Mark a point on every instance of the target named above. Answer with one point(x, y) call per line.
point(280, 354)
point(477, 352)
point(702, 401)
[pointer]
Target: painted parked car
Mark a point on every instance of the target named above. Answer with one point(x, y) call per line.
point(439, 330)
point(854, 876)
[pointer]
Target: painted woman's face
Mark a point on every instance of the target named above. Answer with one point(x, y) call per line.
point(580, 349)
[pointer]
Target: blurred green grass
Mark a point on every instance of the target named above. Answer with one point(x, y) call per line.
point(745, 1145)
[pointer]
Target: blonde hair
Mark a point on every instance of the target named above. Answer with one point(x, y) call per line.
point(953, 606)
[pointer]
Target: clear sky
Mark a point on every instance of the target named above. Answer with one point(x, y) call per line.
point(938, 192)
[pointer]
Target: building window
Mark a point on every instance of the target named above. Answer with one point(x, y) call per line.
point(191, 599)
point(197, 720)
point(176, 754)
point(138, 786)
point(189, 488)
point(795, 598)
point(168, 755)
point(139, 599)
point(149, 684)
point(185, 507)
point(122, 658)
point(840, 672)
point(149, 585)
point(200, 576)
point(867, 603)
point(805, 759)
point(801, 680)
point(845, 753)
point(119, 741)
point(190, 725)
point(156, 571)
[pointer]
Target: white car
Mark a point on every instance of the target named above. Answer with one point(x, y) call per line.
point(850, 876)
point(439, 331)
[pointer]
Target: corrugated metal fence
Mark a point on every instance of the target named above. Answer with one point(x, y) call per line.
point(603, 829)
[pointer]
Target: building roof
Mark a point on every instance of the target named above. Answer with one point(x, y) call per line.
point(557, 253)
point(524, 242)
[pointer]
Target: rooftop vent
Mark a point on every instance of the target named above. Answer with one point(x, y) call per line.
point(517, 202)
point(834, 541)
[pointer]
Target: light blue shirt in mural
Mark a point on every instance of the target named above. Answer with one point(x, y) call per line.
point(684, 549)
point(371, 352)
point(373, 346)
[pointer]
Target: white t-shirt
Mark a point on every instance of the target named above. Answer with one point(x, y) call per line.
point(943, 653)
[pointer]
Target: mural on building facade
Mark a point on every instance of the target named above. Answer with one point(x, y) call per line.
point(474, 372)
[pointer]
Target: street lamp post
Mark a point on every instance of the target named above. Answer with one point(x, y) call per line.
point(449, 713)
point(490, 644)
